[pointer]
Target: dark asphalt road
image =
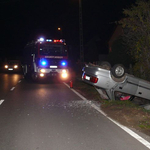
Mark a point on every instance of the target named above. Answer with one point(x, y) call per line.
point(49, 116)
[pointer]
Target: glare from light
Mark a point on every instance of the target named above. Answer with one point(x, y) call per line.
point(42, 70)
point(41, 39)
point(43, 63)
point(41, 74)
point(15, 66)
point(64, 71)
point(6, 66)
point(64, 75)
point(63, 63)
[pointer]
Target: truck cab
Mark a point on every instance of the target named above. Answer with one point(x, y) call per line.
point(46, 58)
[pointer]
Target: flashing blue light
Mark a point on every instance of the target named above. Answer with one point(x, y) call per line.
point(43, 62)
point(63, 63)
point(49, 40)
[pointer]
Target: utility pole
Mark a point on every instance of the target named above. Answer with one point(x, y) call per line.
point(81, 33)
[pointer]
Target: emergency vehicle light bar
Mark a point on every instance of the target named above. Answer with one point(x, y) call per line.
point(58, 41)
point(50, 40)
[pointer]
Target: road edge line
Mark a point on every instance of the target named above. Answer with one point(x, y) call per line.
point(1, 101)
point(126, 129)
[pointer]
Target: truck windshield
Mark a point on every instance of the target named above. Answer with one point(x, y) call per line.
point(53, 50)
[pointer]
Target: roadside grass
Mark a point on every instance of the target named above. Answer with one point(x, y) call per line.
point(128, 114)
point(125, 112)
point(86, 90)
point(119, 104)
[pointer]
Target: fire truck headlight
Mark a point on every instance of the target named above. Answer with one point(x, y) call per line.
point(64, 74)
point(64, 71)
point(41, 74)
point(42, 70)
point(6, 66)
point(15, 66)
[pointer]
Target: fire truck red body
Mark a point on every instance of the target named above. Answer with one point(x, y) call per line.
point(46, 58)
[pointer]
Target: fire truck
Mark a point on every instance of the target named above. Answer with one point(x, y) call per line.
point(46, 58)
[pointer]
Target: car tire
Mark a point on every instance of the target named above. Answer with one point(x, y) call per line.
point(118, 71)
point(105, 65)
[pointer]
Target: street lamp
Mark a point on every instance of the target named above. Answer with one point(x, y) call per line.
point(60, 30)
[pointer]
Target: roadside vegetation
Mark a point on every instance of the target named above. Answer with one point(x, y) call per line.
point(132, 46)
point(136, 29)
point(129, 114)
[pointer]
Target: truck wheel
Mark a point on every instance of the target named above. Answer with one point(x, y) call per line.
point(34, 76)
point(25, 71)
point(105, 65)
point(118, 71)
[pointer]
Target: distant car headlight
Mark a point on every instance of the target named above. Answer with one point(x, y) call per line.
point(6, 66)
point(15, 66)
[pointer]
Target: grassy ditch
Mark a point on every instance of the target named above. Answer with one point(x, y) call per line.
point(128, 114)
point(125, 112)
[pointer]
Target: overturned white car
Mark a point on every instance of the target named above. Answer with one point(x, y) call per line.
point(116, 80)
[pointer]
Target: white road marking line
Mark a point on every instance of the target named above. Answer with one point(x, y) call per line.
point(12, 88)
point(133, 134)
point(1, 101)
point(19, 81)
point(82, 97)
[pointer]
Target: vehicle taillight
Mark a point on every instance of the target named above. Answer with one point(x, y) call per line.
point(91, 79)
point(94, 79)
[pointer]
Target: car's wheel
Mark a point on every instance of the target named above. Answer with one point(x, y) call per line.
point(118, 71)
point(105, 65)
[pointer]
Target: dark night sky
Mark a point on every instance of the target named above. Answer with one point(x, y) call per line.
point(22, 21)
